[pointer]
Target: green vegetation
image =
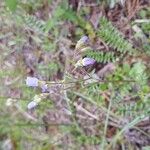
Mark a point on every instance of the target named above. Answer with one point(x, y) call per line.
point(73, 102)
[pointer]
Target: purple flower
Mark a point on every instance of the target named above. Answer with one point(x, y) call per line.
point(44, 88)
point(84, 39)
point(32, 105)
point(88, 61)
point(32, 81)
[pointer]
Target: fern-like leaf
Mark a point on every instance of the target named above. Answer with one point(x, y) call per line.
point(103, 57)
point(34, 23)
point(113, 37)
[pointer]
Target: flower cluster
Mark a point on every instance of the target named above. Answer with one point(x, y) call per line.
point(81, 45)
point(34, 82)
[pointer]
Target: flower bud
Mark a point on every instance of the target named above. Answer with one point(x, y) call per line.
point(88, 61)
point(84, 39)
point(32, 81)
point(32, 105)
point(82, 42)
point(44, 88)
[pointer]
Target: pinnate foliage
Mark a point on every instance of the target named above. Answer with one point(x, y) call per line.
point(113, 37)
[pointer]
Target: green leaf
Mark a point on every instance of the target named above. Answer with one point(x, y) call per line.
point(11, 4)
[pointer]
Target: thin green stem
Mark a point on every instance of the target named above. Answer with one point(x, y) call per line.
point(106, 124)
